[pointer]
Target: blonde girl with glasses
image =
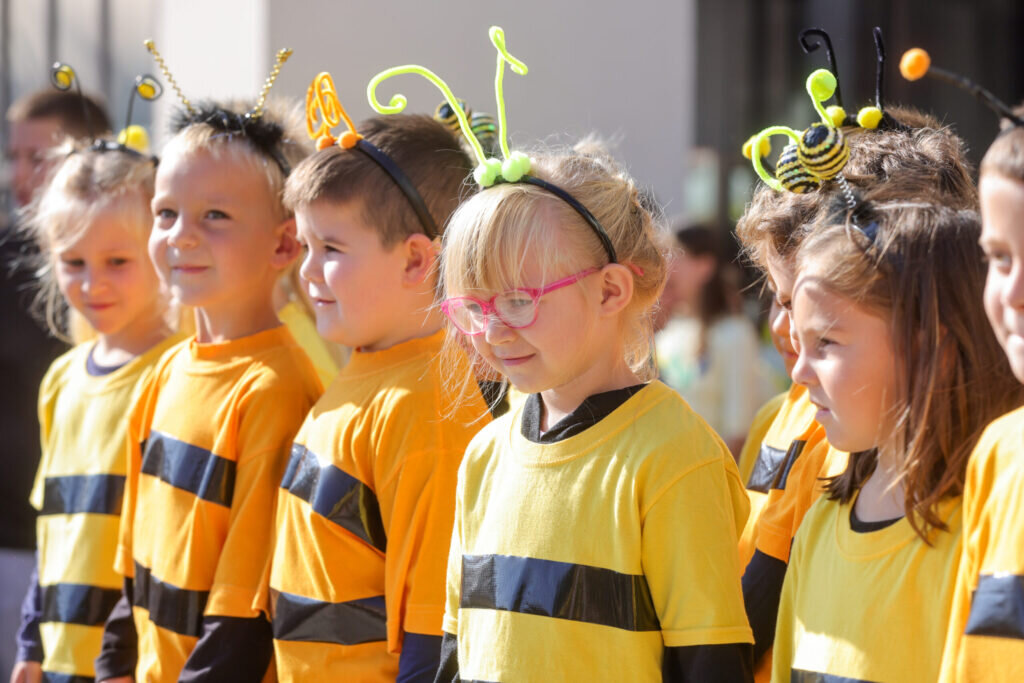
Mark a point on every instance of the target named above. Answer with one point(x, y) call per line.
point(596, 524)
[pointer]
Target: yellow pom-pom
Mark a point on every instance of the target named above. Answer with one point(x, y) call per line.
point(146, 90)
point(869, 117)
point(821, 84)
point(914, 63)
point(765, 146)
point(64, 76)
point(836, 114)
point(134, 137)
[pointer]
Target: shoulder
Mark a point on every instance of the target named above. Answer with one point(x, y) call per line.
point(997, 460)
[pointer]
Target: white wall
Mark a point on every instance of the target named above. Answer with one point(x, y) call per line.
point(623, 70)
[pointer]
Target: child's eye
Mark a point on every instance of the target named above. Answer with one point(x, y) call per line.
point(166, 214)
point(73, 262)
point(784, 305)
point(823, 343)
point(215, 215)
point(999, 260)
point(117, 261)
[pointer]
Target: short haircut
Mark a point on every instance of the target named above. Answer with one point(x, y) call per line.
point(79, 117)
point(1005, 156)
point(426, 151)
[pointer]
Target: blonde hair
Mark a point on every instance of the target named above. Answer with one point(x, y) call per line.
point(923, 273)
point(293, 147)
point(85, 184)
point(491, 234)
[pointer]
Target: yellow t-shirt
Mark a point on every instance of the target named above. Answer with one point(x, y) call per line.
point(986, 638)
point(78, 490)
point(364, 515)
point(209, 442)
point(868, 607)
point(753, 447)
point(583, 559)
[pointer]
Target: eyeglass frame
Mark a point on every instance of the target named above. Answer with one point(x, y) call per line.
point(488, 308)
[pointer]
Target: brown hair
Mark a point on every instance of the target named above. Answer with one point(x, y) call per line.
point(491, 233)
point(79, 117)
point(935, 157)
point(427, 152)
point(1005, 155)
point(923, 272)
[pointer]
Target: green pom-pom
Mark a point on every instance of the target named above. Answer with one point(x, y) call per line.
point(486, 173)
point(515, 167)
point(836, 114)
point(869, 117)
point(135, 137)
point(821, 84)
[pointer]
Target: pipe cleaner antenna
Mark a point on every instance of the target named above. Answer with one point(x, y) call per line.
point(916, 64)
point(515, 164)
point(158, 58)
point(63, 77)
point(282, 56)
point(324, 111)
point(133, 136)
point(810, 40)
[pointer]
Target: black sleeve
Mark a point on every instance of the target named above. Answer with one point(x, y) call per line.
point(119, 650)
point(728, 663)
point(420, 657)
point(234, 649)
point(448, 671)
point(762, 589)
point(30, 644)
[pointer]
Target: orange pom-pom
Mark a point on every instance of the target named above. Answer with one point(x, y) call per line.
point(349, 139)
point(325, 141)
point(914, 64)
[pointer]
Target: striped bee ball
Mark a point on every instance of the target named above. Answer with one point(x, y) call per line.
point(446, 115)
point(823, 151)
point(791, 172)
point(485, 129)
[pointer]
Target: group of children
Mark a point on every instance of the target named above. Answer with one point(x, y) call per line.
point(210, 511)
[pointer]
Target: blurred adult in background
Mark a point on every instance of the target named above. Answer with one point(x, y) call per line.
point(708, 349)
point(36, 124)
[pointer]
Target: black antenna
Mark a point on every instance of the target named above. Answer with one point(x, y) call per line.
point(148, 88)
point(62, 77)
point(822, 39)
point(879, 65)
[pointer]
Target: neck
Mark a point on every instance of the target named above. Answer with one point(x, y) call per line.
point(217, 325)
point(607, 373)
point(119, 348)
point(881, 496)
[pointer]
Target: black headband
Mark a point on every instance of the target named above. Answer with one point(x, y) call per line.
point(404, 184)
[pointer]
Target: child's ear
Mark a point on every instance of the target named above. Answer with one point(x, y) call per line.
point(420, 257)
point(616, 288)
point(288, 247)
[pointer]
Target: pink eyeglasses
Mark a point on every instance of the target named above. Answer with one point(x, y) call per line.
point(516, 308)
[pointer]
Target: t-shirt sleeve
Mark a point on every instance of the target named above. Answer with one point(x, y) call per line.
point(417, 503)
point(787, 507)
point(453, 577)
point(690, 557)
point(785, 626)
point(270, 415)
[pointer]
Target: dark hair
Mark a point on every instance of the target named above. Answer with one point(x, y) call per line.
point(79, 117)
point(923, 272)
point(1005, 155)
point(718, 297)
point(426, 151)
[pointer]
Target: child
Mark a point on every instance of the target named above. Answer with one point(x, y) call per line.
point(211, 431)
point(91, 224)
point(904, 377)
point(364, 514)
point(986, 631)
point(579, 515)
point(795, 453)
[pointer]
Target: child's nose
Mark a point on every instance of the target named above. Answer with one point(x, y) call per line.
point(495, 331)
point(182, 235)
point(802, 372)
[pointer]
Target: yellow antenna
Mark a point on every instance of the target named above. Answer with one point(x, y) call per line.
point(282, 57)
point(151, 46)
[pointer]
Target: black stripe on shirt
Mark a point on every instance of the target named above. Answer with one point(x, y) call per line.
point(795, 449)
point(76, 603)
point(191, 468)
point(558, 589)
point(53, 677)
point(95, 493)
point(769, 461)
point(336, 495)
point(799, 676)
point(172, 608)
point(297, 618)
point(997, 607)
